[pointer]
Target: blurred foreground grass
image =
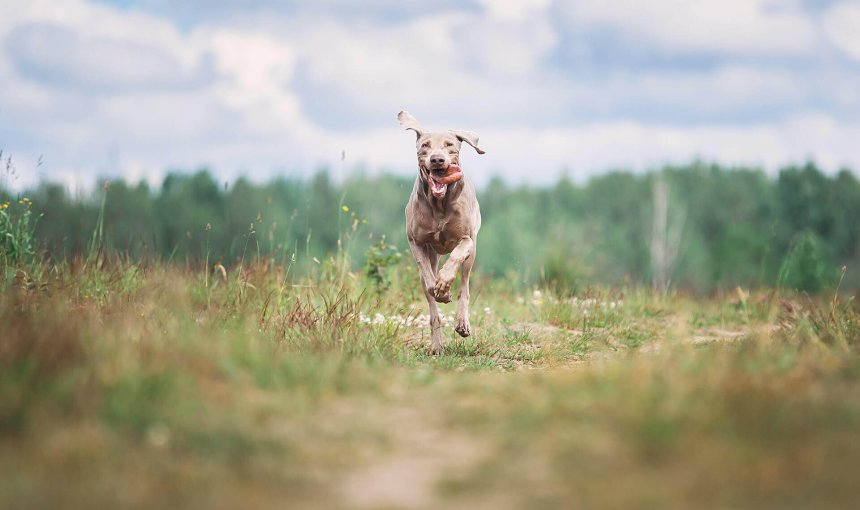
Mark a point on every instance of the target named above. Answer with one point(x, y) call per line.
point(138, 386)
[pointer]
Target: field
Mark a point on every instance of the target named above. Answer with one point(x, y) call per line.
point(154, 386)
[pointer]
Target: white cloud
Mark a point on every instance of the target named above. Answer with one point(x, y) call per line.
point(514, 10)
point(538, 156)
point(842, 28)
point(743, 27)
point(255, 71)
point(288, 91)
point(64, 56)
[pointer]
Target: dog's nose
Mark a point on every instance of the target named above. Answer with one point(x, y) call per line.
point(437, 159)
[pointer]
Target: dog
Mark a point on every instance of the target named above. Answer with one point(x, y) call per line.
point(441, 219)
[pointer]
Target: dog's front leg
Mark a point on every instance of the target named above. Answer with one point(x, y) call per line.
point(427, 260)
point(462, 325)
point(445, 278)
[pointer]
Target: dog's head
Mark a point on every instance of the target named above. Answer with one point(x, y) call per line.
point(437, 151)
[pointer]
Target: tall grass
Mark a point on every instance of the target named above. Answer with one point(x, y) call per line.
point(144, 384)
point(17, 234)
point(96, 245)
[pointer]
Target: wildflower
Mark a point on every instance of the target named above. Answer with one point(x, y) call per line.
point(344, 208)
point(363, 222)
point(158, 435)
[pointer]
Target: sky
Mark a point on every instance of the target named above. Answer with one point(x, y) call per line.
point(260, 88)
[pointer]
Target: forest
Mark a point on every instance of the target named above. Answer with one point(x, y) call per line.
point(721, 226)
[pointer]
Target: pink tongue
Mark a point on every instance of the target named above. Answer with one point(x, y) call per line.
point(437, 186)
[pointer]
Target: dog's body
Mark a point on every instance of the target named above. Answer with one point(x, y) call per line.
point(442, 219)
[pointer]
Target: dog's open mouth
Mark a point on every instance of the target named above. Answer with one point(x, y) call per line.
point(437, 187)
point(440, 179)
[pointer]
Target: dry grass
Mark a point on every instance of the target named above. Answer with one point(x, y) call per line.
point(133, 386)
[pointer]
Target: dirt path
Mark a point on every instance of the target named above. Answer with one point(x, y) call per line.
point(422, 453)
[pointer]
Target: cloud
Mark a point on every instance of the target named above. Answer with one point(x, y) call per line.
point(261, 87)
point(59, 55)
point(735, 27)
point(842, 28)
point(539, 156)
point(514, 10)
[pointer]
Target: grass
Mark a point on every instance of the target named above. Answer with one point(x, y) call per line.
point(135, 386)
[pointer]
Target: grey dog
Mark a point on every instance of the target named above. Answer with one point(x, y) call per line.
point(442, 219)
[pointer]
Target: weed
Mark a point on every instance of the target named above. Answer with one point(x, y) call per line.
point(379, 258)
point(17, 234)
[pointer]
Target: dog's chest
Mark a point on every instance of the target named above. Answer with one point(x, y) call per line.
point(443, 234)
point(443, 243)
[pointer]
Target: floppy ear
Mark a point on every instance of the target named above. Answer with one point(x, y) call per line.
point(409, 122)
point(469, 137)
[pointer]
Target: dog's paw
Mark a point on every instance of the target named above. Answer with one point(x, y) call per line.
point(462, 327)
point(439, 298)
point(442, 290)
point(442, 297)
point(435, 350)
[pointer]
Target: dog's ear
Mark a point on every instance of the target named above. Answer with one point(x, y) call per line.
point(469, 137)
point(409, 122)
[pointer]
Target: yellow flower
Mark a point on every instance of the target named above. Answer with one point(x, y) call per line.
point(364, 221)
point(345, 208)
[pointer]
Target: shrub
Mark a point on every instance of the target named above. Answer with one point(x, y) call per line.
point(379, 257)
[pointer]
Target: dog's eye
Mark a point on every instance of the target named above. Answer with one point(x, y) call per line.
point(449, 144)
point(425, 145)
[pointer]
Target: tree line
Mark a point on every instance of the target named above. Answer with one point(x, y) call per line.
point(723, 227)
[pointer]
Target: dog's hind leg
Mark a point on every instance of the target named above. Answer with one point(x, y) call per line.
point(427, 261)
point(462, 325)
